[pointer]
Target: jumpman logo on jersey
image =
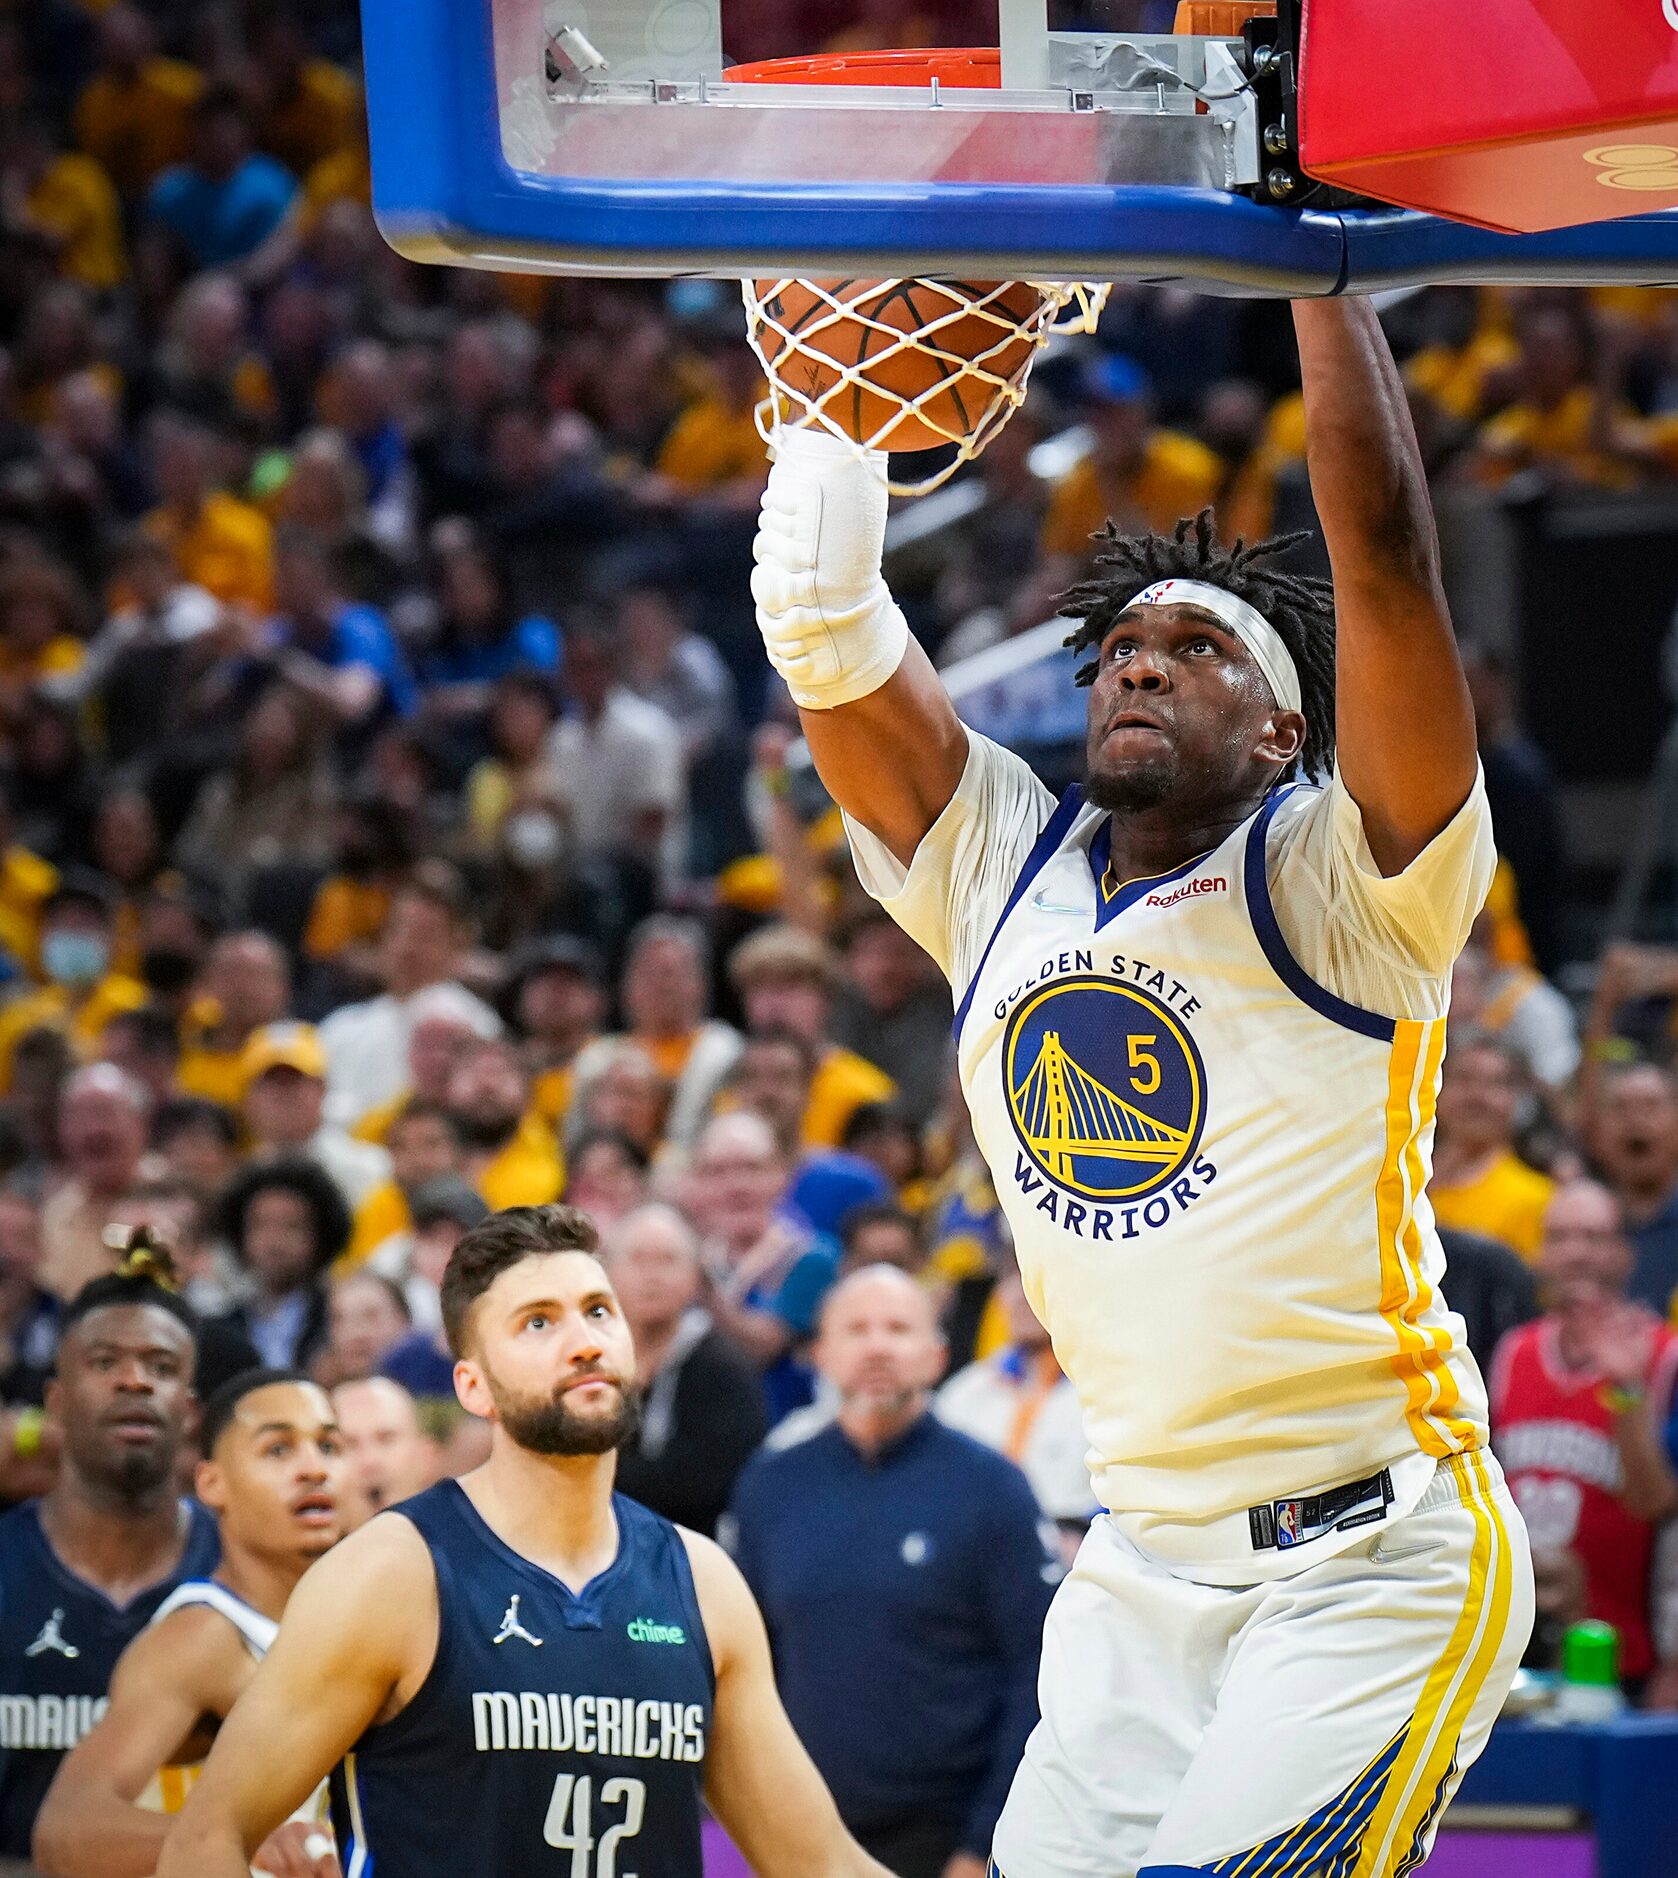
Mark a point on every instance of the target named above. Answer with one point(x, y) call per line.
point(52, 1638)
point(511, 1627)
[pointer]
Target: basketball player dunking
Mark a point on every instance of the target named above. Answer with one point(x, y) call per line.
point(520, 1672)
point(276, 1476)
point(1201, 1015)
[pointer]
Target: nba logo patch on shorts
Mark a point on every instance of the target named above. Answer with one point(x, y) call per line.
point(1284, 1523)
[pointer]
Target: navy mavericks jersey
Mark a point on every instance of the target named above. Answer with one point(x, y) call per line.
point(556, 1736)
point(59, 1641)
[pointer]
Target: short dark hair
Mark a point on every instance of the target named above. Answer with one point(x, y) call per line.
point(313, 1185)
point(145, 1276)
point(1299, 606)
point(440, 883)
point(185, 1114)
point(417, 1109)
point(155, 1031)
point(592, 1138)
point(504, 1240)
point(856, 1220)
point(388, 1285)
point(219, 1410)
point(779, 1036)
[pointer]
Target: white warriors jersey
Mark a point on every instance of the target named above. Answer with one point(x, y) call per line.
point(1212, 1164)
point(171, 1785)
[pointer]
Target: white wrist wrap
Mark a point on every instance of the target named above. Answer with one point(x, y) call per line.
point(829, 623)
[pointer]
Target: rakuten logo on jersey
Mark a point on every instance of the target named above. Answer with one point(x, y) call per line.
point(1210, 883)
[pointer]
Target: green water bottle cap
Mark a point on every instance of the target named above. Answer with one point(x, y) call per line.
point(1590, 1654)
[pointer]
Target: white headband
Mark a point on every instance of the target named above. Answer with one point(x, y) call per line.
point(1254, 631)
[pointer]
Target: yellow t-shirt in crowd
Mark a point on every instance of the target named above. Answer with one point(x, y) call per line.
point(345, 912)
point(345, 176)
point(318, 119)
point(1248, 510)
point(227, 548)
point(712, 443)
point(528, 1171)
point(137, 127)
point(25, 881)
point(843, 1082)
point(380, 1216)
point(76, 203)
point(1454, 377)
point(52, 1007)
point(1561, 436)
point(1507, 1202)
point(60, 654)
point(1179, 476)
point(205, 1070)
point(550, 1093)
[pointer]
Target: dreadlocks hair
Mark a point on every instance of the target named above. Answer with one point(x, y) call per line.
point(1299, 606)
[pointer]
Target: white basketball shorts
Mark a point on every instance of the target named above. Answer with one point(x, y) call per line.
point(1311, 1727)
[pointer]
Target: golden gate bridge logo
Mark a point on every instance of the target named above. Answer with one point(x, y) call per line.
point(1105, 1087)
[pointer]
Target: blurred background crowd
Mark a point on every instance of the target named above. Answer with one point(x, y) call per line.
point(398, 820)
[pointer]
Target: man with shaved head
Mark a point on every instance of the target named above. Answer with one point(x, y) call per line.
point(907, 1655)
point(390, 1454)
point(702, 1399)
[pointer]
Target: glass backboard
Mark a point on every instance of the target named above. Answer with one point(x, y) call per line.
point(623, 136)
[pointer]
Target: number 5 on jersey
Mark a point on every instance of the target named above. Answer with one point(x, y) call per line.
point(570, 1813)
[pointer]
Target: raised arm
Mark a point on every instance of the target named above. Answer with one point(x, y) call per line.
point(1404, 727)
point(883, 732)
point(168, 1679)
point(358, 1628)
point(759, 1781)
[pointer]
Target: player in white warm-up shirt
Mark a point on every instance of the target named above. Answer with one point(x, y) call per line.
point(1200, 1022)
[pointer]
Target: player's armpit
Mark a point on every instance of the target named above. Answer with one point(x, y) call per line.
point(360, 1631)
point(191, 1665)
point(759, 1781)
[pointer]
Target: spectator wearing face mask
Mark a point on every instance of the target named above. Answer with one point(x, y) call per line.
point(82, 993)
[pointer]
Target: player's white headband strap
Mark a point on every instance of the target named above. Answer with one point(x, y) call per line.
point(1249, 626)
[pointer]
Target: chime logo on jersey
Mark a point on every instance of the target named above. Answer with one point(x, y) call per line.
point(1106, 1089)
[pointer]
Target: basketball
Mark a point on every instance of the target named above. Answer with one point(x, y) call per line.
point(930, 355)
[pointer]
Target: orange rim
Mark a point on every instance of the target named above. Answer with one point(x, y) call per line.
point(973, 68)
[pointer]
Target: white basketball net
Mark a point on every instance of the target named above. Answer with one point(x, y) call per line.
point(1000, 370)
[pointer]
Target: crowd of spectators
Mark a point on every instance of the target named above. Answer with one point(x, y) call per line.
point(398, 822)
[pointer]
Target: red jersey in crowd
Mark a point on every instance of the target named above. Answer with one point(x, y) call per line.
point(1555, 1437)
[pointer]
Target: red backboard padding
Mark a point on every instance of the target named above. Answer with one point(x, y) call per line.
point(1513, 114)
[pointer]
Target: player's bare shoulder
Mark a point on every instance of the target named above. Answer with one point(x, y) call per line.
point(733, 1622)
point(373, 1597)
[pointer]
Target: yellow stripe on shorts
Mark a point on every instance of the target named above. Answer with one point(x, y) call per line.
point(1453, 1684)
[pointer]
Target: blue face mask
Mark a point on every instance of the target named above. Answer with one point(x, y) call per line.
point(74, 958)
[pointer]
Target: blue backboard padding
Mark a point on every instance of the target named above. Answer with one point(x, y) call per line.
point(443, 191)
